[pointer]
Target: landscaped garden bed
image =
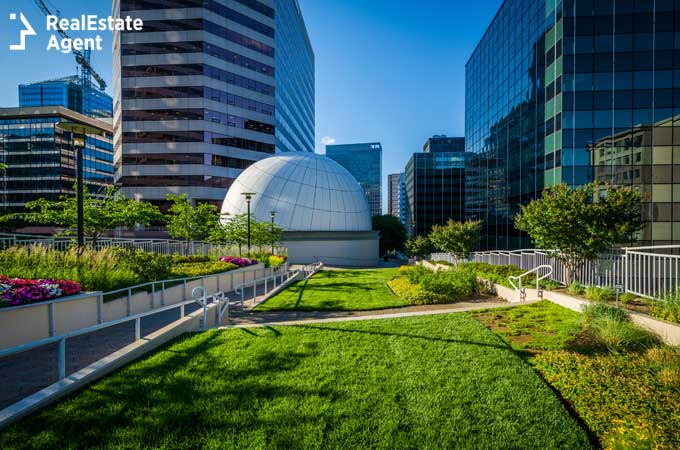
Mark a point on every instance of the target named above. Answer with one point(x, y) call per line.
point(20, 291)
point(618, 378)
point(436, 382)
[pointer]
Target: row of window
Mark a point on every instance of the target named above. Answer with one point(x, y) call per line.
point(227, 13)
point(198, 69)
point(199, 92)
point(197, 47)
point(177, 180)
point(620, 24)
point(198, 114)
point(146, 137)
point(621, 62)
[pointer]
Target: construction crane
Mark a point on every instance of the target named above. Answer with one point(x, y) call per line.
point(83, 59)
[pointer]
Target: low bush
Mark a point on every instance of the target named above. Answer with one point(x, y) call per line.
point(549, 285)
point(415, 274)
point(414, 293)
point(192, 259)
point(197, 269)
point(452, 284)
point(668, 308)
point(275, 260)
point(499, 274)
point(240, 262)
point(627, 298)
point(600, 294)
point(576, 288)
point(19, 291)
point(612, 327)
point(148, 266)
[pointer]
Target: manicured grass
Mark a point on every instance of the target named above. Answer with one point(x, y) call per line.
point(630, 400)
point(339, 290)
point(437, 382)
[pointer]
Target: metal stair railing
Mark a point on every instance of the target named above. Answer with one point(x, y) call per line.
point(521, 291)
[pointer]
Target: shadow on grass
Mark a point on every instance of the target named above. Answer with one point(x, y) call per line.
point(161, 402)
point(502, 345)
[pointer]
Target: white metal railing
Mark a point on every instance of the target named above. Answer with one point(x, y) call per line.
point(164, 246)
point(521, 291)
point(61, 339)
point(651, 272)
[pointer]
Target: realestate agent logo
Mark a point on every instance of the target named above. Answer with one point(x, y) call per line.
point(27, 31)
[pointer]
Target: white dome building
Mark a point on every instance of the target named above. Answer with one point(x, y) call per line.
point(318, 203)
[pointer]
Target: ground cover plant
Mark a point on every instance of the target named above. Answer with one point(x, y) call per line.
point(437, 382)
point(338, 290)
point(668, 308)
point(627, 391)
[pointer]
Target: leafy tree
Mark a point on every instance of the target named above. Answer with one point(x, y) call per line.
point(459, 238)
point(235, 230)
point(577, 225)
point(188, 222)
point(419, 246)
point(392, 233)
point(2, 166)
point(100, 214)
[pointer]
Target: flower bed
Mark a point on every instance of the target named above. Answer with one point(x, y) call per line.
point(241, 262)
point(18, 291)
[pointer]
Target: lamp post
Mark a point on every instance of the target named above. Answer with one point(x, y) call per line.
point(79, 134)
point(272, 214)
point(249, 197)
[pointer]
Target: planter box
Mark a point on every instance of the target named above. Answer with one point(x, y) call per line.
point(27, 323)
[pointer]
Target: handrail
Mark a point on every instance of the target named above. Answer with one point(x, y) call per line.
point(519, 278)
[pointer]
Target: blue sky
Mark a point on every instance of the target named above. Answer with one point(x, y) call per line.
point(386, 71)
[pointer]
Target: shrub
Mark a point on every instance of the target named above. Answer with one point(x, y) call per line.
point(422, 297)
point(550, 285)
point(192, 259)
point(668, 308)
point(600, 294)
point(402, 287)
point(190, 270)
point(612, 327)
point(415, 274)
point(240, 262)
point(576, 288)
point(275, 260)
point(148, 266)
point(627, 298)
point(453, 284)
point(18, 291)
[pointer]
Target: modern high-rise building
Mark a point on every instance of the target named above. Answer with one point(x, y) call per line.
point(41, 159)
point(435, 185)
point(68, 92)
point(206, 88)
point(364, 162)
point(570, 92)
point(393, 194)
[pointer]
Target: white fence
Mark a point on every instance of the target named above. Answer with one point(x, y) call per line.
point(163, 246)
point(651, 272)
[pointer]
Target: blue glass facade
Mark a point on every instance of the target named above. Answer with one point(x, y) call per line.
point(364, 162)
point(41, 159)
point(294, 80)
point(570, 92)
point(69, 93)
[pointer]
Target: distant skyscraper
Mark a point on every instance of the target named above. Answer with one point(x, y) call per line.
point(364, 161)
point(435, 185)
point(207, 88)
point(69, 93)
point(41, 160)
point(393, 194)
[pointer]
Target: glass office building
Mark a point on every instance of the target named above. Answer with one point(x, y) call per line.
point(393, 194)
point(364, 162)
point(41, 159)
point(434, 184)
point(570, 92)
point(68, 92)
point(205, 89)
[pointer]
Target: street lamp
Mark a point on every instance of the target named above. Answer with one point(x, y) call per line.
point(249, 197)
point(272, 214)
point(79, 134)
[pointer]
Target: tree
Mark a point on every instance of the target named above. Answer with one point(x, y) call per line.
point(2, 166)
point(235, 230)
point(188, 222)
point(577, 225)
point(392, 233)
point(419, 246)
point(100, 214)
point(459, 238)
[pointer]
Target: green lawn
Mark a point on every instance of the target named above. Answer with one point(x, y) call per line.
point(437, 382)
point(338, 290)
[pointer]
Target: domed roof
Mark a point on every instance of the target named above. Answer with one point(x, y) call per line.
point(309, 192)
